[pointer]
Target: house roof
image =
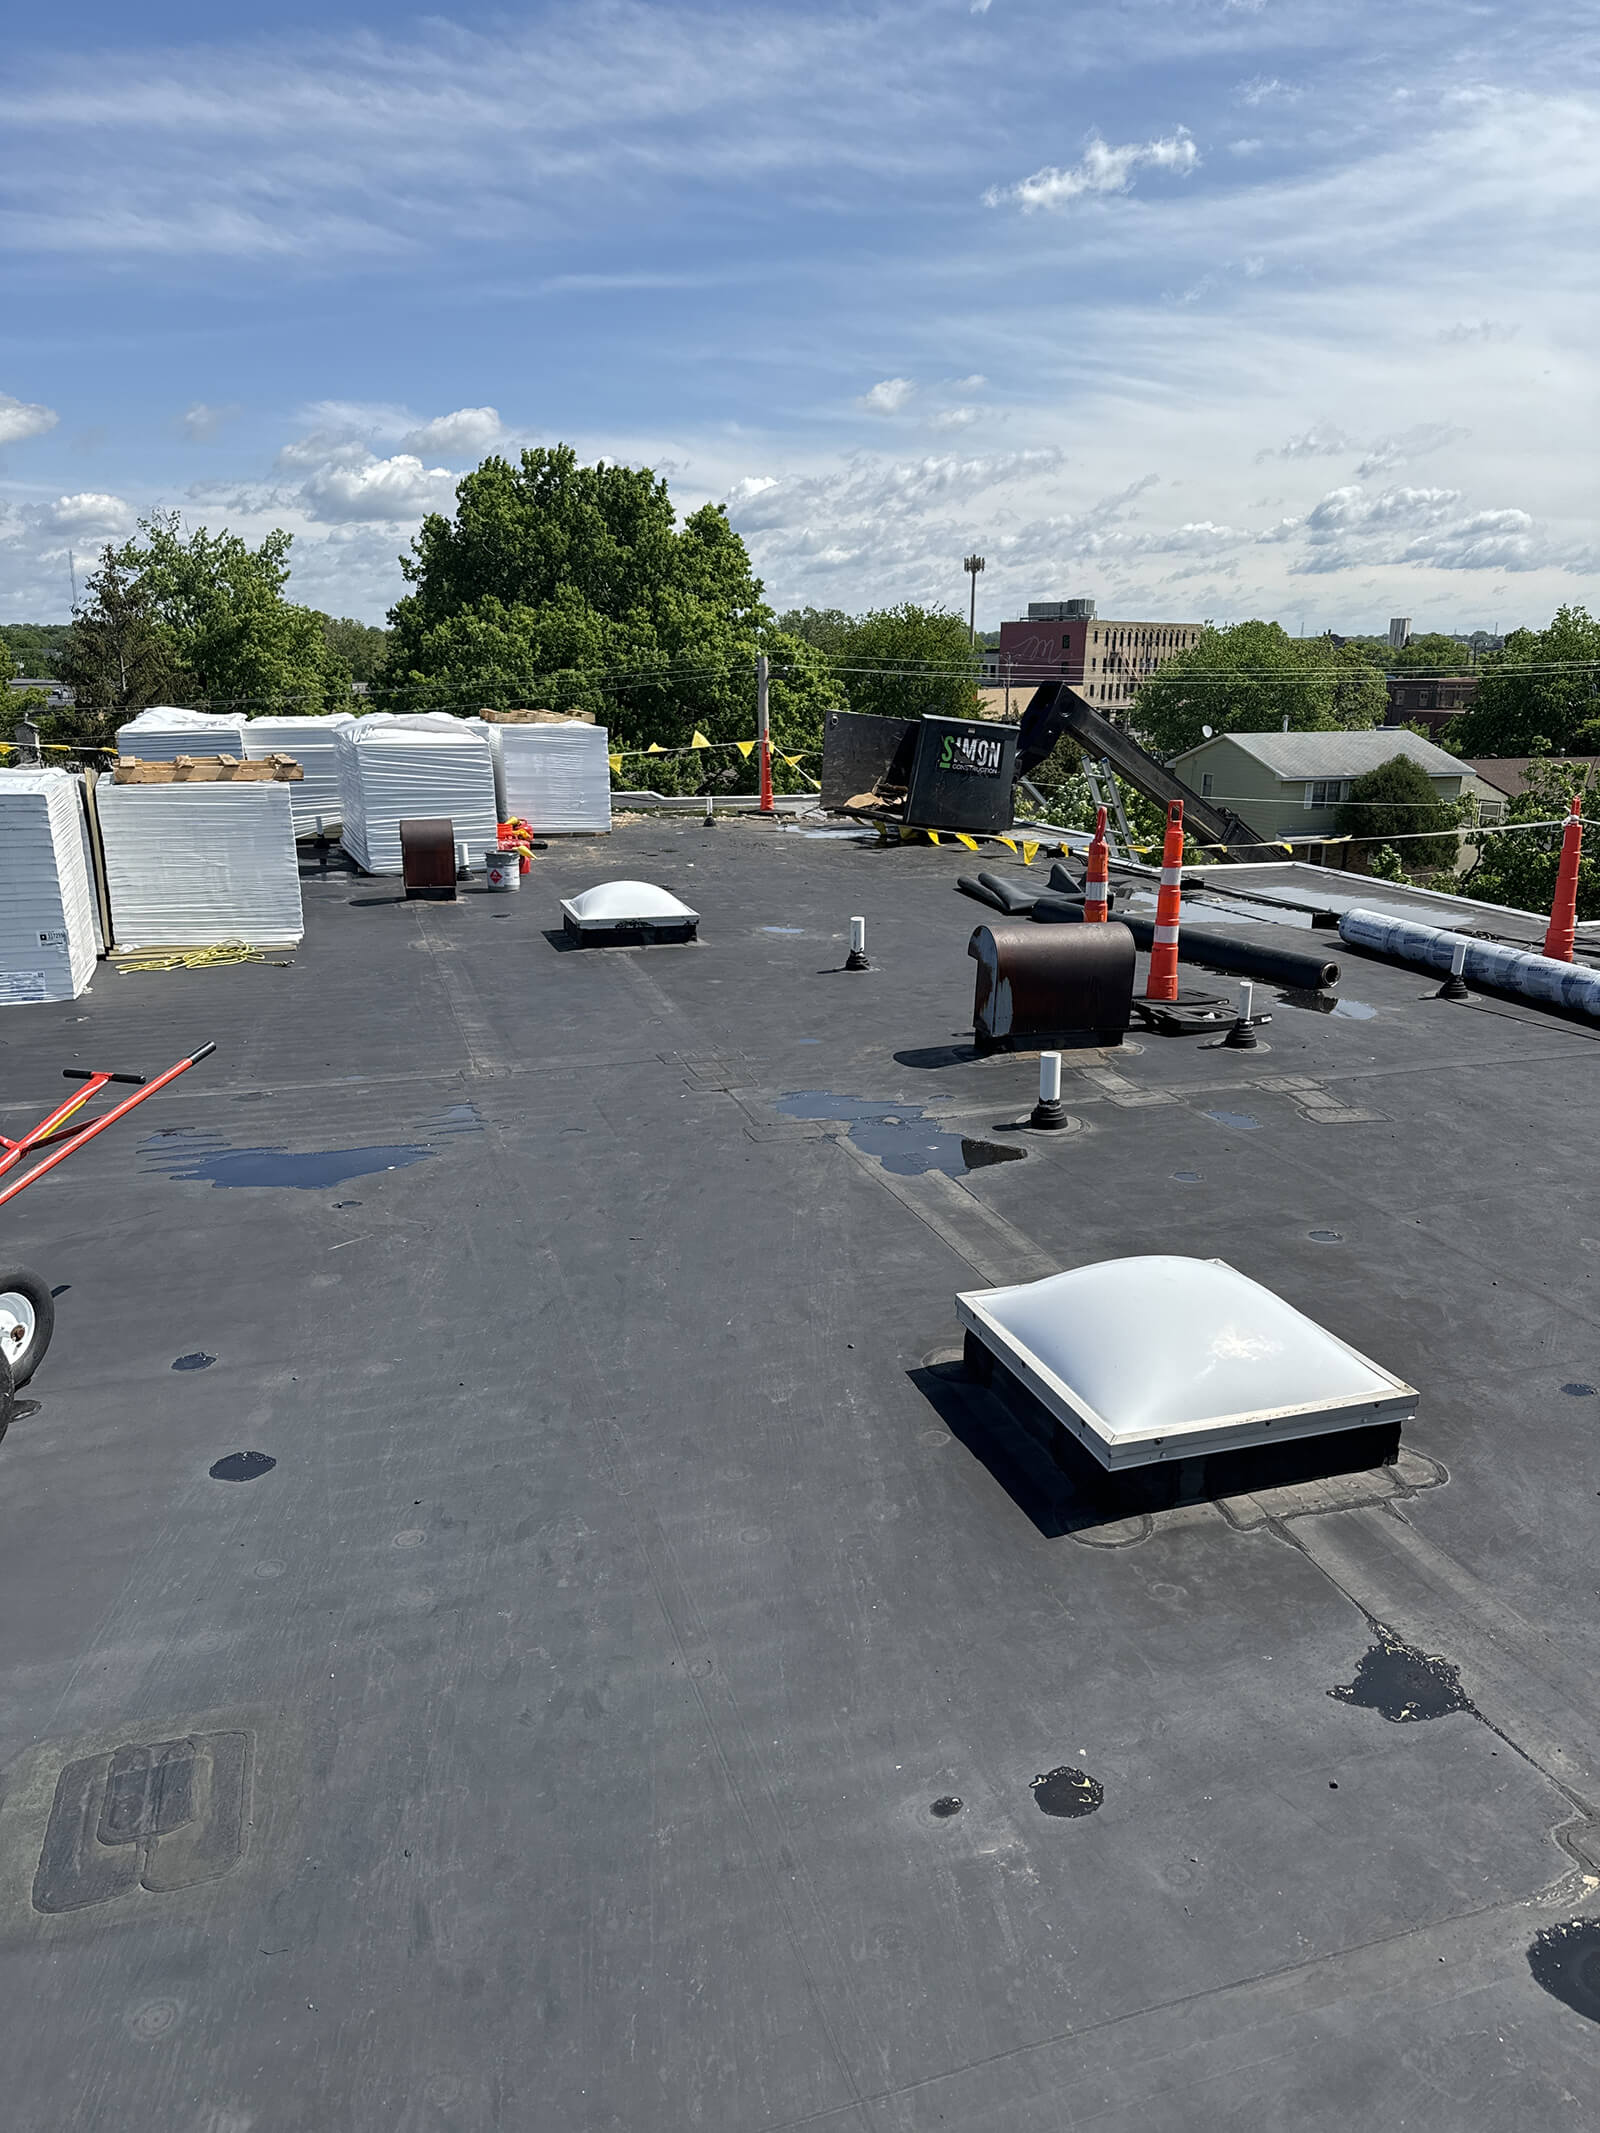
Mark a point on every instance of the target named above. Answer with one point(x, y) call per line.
point(1505, 772)
point(1339, 755)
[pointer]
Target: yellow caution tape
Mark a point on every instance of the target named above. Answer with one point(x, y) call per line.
point(744, 748)
point(616, 762)
point(699, 740)
point(1030, 851)
point(971, 843)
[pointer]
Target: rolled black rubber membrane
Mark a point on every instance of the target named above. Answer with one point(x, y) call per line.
point(1219, 951)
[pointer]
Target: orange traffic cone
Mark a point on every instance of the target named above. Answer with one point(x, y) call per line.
point(1163, 983)
point(1097, 873)
point(1563, 928)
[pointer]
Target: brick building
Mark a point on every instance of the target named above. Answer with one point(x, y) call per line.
point(1430, 700)
point(1105, 661)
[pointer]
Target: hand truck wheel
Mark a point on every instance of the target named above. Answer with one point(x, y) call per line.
point(27, 1320)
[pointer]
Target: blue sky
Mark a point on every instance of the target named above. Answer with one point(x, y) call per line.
point(1207, 308)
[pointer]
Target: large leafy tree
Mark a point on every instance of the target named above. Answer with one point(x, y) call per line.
point(1396, 803)
point(1519, 866)
point(237, 642)
point(360, 647)
point(1250, 679)
point(903, 662)
point(576, 587)
point(117, 655)
point(1540, 695)
point(199, 619)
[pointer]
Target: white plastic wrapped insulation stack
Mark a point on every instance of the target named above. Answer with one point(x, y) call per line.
point(557, 778)
point(491, 733)
point(421, 764)
point(189, 866)
point(47, 932)
point(315, 797)
point(167, 730)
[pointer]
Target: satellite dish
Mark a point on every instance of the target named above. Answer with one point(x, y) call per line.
point(1205, 732)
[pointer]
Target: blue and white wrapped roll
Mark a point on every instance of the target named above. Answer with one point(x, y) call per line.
point(1536, 977)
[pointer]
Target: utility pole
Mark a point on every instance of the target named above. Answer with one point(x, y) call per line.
point(972, 564)
point(763, 736)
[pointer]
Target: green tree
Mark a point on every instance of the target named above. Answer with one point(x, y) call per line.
point(1397, 800)
point(1518, 866)
point(824, 627)
point(236, 642)
point(33, 647)
point(118, 656)
point(903, 662)
point(1250, 679)
point(575, 587)
point(361, 648)
point(1431, 653)
point(1540, 695)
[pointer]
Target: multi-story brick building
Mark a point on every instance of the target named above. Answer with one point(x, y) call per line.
point(1105, 661)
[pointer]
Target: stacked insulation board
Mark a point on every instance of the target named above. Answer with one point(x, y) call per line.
point(556, 778)
point(47, 920)
point(393, 770)
point(191, 866)
point(167, 730)
point(315, 799)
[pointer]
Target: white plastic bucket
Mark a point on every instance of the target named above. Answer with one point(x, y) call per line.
point(504, 869)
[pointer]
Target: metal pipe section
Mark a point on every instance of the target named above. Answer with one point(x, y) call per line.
point(1246, 959)
point(1535, 977)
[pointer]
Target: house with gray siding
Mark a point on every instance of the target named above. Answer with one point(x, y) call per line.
point(1291, 784)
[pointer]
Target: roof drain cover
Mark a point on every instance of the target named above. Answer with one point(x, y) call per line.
point(627, 910)
point(1153, 1365)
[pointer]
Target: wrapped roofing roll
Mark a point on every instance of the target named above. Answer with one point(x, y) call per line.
point(1536, 977)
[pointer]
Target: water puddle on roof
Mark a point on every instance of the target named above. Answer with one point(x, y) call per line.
point(1239, 1119)
point(1324, 1003)
point(1068, 1793)
point(945, 1806)
point(900, 1135)
point(1402, 1684)
point(1565, 1960)
point(242, 1466)
point(196, 1359)
point(207, 1159)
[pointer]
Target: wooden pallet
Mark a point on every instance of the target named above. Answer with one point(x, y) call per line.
point(208, 770)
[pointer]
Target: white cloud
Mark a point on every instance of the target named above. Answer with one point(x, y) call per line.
point(467, 434)
point(1101, 169)
point(378, 491)
point(90, 513)
point(1265, 88)
point(888, 396)
point(20, 419)
point(956, 418)
point(1483, 329)
point(974, 384)
point(1415, 443)
point(201, 423)
point(1324, 440)
point(1246, 147)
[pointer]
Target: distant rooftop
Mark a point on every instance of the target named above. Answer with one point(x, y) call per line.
point(1506, 772)
point(1338, 755)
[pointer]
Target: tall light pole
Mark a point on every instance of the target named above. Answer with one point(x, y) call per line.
point(972, 564)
